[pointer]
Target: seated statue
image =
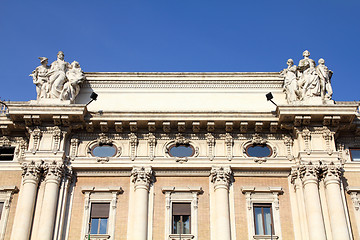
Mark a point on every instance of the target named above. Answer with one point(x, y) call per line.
point(57, 75)
point(75, 77)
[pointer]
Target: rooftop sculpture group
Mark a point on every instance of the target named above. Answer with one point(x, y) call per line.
point(307, 82)
point(60, 80)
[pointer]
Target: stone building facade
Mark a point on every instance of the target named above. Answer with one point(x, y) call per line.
point(170, 156)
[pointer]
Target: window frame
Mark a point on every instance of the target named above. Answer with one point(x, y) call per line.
point(256, 196)
point(99, 224)
point(262, 206)
point(181, 217)
point(6, 195)
point(350, 151)
point(181, 195)
point(177, 145)
point(100, 195)
point(13, 154)
point(255, 144)
point(103, 145)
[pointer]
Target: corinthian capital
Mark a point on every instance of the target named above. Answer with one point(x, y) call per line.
point(142, 177)
point(220, 176)
point(332, 172)
point(31, 171)
point(53, 171)
point(309, 172)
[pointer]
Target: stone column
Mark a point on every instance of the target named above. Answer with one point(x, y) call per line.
point(339, 229)
point(141, 177)
point(220, 176)
point(309, 175)
point(53, 174)
point(26, 202)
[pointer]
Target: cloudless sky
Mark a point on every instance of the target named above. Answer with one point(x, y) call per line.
point(178, 36)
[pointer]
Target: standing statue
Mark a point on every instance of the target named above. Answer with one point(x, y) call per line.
point(312, 82)
point(290, 81)
point(325, 76)
point(59, 81)
point(40, 79)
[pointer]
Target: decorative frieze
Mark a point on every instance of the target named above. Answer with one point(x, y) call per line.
point(229, 141)
point(151, 145)
point(104, 139)
point(74, 145)
point(328, 136)
point(288, 141)
point(210, 140)
point(180, 139)
point(56, 139)
point(36, 136)
point(21, 148)
point(210, 126)
point(5, 141)
point(133, 141)
point(306, 135)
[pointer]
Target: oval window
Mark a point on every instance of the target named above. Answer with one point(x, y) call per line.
point(181, 150)
point(104, 151)
point(258, 151)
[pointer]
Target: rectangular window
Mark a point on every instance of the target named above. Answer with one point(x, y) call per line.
point(355, 155)
point(7, 153)
point(181, 218)
point(99, 216)
point(1, 208)
point(263, 219)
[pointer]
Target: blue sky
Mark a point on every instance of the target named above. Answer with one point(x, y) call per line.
point(174, 35)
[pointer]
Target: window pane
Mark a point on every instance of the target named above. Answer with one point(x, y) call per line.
point(186, 225)
point(6, 153)
point(355, 155)
point(259, 227)
point(267, 219)
point(258, 151)
point(103, 226)
point(181, 151)
point(1, 208)
point(104, 151)
point(176, 224)
point(100, 210)
point(94, 225)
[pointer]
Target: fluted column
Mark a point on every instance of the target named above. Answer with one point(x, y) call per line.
point(220, 176)
point(25, 206)
point(53, 174)
point(141, 177)
point(339, 229)
point(309, 175)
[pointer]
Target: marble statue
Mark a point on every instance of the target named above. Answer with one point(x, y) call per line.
point(59, 81)
point(290, 81)
point(307, 83)
point(75, 77)
point(325, 76)
point(40, 78)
